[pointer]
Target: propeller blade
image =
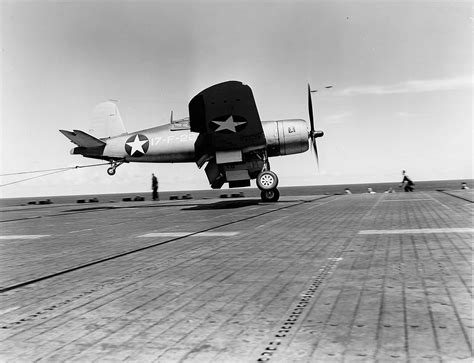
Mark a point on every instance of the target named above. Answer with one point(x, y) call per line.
point(312, 133)
point(310, 111)
point(315, 148)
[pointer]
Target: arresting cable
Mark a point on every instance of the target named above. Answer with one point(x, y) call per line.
point(46, 171)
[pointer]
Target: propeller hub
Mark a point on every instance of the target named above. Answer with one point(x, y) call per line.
point(316, 134)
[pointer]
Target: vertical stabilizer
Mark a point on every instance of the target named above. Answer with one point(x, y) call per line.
point(106, 121)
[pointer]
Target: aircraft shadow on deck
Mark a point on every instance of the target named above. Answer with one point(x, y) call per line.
point(228, 204)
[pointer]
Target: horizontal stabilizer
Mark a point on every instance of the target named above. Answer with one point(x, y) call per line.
point(80, 138)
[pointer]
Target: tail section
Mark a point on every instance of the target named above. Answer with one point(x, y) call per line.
point(106, 121)
point(87, 145)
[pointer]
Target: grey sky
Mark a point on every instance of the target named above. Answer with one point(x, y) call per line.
point(402, 73)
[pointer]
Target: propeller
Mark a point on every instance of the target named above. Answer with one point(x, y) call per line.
point(313, 134)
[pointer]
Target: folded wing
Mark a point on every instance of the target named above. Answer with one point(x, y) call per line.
point(231, 137)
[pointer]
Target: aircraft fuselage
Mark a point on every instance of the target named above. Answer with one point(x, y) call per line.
point(164, 144)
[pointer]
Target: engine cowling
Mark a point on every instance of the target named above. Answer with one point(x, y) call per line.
point(285, 137)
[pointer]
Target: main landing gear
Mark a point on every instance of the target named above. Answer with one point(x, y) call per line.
point(114, 165)
point(267, 182)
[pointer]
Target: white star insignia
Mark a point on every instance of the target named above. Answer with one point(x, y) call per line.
point(137, 145)
point(228, 124)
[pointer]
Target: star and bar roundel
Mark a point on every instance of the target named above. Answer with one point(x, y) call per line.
point(137, 145)
point(228, 124)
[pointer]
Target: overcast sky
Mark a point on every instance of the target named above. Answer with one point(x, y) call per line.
point(402, 76)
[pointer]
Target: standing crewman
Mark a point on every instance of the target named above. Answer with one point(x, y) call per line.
point(407, 183)
point(154, 187)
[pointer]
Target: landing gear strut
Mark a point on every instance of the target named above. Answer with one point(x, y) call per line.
point(267, 182)
point(113, 165)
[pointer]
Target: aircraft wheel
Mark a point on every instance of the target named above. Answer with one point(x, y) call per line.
point(267, 180)
point(111, 171)
point(270, 195)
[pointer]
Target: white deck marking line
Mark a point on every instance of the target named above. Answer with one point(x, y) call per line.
point(418, 231)
point(190, 234)
point(406, 200)
point(165, 234)
point(436, 200)
point(25, 236)
point(8, 310)
point(216, 234)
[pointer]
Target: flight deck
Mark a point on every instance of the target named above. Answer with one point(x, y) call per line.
point(320, 278)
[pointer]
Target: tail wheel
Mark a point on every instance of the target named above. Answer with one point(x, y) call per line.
point(270, 195)
point(114, 165)
point(267, 180)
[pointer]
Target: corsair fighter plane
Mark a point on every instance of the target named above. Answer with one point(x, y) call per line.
point(223, 132)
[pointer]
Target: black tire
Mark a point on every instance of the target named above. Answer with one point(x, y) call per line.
point(270, 195)
point(111, 171)
point(267, 180)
